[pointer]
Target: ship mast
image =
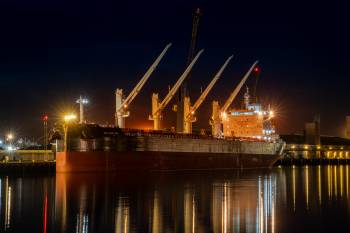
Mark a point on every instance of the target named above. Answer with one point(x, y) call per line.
point(184, 88)
point(257, 76)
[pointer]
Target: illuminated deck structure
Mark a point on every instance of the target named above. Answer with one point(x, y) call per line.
point(332, 150)
point(251, 121)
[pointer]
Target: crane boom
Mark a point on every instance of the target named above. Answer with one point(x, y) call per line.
point(238, 88)
point(210, 86)
point(144, 79)
point(176, 86)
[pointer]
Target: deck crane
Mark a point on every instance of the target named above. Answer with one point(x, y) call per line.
point(189, 112)
point(157, 106)
point(122, 104)
point(219, 114)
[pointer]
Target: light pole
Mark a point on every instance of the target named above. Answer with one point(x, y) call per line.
point(45, 119)
point(67, 119)
point(9, 138)
point(81, 101)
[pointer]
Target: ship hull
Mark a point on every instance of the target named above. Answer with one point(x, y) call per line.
point(113, 161)
point(92, 148)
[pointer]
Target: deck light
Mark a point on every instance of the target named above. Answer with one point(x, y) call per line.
point(69, 117)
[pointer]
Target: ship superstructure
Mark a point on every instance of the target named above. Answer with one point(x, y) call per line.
point(251, 121)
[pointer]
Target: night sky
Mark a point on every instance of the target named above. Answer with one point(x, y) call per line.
point(53, 51)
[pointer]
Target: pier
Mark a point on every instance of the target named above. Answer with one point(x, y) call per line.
point(330, 150)
point(27, 160)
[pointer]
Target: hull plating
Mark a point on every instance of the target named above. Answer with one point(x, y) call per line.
point(97, 161)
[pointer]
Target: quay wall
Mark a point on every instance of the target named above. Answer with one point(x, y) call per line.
point(27, 155)
point(303, 154)
point(304, 151)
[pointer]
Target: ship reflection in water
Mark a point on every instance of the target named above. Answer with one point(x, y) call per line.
point(300, 199)
point(220, 205)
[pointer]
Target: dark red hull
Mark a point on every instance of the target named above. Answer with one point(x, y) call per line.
point(98, 161)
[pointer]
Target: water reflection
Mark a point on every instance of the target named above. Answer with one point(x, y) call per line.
point(238, 203)
point(189, 210)
point(321, 182)
point(27, 204)
point(122, 215)
point(294, 199)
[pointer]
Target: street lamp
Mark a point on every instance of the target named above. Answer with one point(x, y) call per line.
point(9, 137)
point(67, 119)
point(45, 120)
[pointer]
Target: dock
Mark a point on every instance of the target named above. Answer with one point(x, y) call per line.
point(20, 161)
point(304, 154)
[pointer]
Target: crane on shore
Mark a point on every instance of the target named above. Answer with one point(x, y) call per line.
point(219, 114)
point(189, 111)
point(158, 106)
point(122, 104)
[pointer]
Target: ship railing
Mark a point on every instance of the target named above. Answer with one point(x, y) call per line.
point(135, 132)
point(155, 133)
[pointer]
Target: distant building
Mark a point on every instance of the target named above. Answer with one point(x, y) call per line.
point(347, 134)
point(312, 132)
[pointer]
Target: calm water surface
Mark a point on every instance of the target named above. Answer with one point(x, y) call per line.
point(300, 199)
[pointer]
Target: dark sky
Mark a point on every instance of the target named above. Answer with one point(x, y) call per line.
point(53, 51)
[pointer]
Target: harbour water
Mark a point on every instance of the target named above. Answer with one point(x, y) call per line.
point(286, 199)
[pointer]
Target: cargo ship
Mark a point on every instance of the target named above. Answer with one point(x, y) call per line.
point(241, 138)
point(92, 147)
